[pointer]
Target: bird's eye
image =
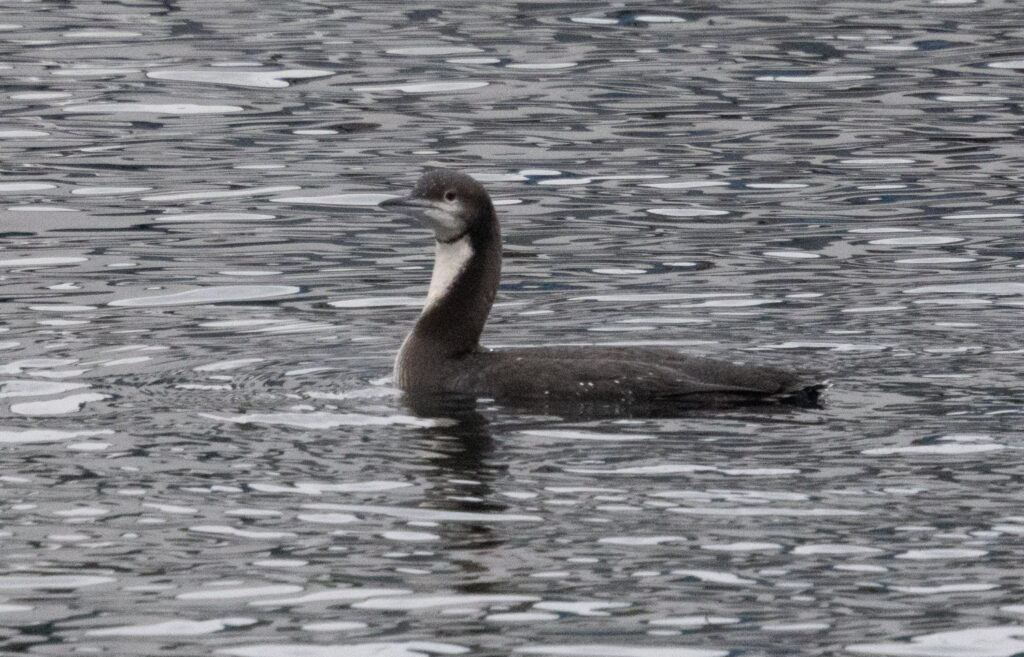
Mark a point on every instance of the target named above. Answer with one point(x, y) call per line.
point(449, 196)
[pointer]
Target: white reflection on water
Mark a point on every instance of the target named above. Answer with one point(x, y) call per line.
point(347, 594)
point(43, 582)
point(426, 87)
point(61, 406)
point(221, 193)
point(196, 217)
point(179, 108)
point(360, 199)
point(212, 294)
point(607, 650)
point(400, 649)
point(174, 627)
point(1003, 641)
point(465, 601)
point(42, 261)
point(235, 78)
point(428, 51)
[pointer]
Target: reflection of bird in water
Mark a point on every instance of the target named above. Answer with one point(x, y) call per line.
point(460, 471)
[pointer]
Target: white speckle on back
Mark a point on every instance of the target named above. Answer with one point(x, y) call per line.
point(449, 261)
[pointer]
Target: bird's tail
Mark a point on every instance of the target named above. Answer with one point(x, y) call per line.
point(812, 396)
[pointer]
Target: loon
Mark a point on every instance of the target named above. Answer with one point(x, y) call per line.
point(443, 355)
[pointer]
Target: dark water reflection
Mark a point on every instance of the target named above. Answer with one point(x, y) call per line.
point(199, 449)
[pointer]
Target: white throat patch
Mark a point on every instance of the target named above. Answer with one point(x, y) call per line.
point(444, 220)
point(449, 261)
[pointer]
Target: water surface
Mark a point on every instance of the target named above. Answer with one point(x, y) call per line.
point(201, 451)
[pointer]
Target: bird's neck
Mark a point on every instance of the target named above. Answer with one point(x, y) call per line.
point(462, 288)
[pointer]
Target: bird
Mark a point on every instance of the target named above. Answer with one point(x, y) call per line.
point(443, 355)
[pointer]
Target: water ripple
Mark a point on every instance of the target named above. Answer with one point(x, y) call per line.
point(202, 453)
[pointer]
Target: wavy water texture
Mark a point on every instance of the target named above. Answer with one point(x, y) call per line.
point(200, 449)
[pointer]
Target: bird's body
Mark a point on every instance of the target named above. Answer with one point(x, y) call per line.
point(615, 374)
point(442, 354)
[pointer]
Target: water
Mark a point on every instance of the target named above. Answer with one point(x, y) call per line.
point(201, 453)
